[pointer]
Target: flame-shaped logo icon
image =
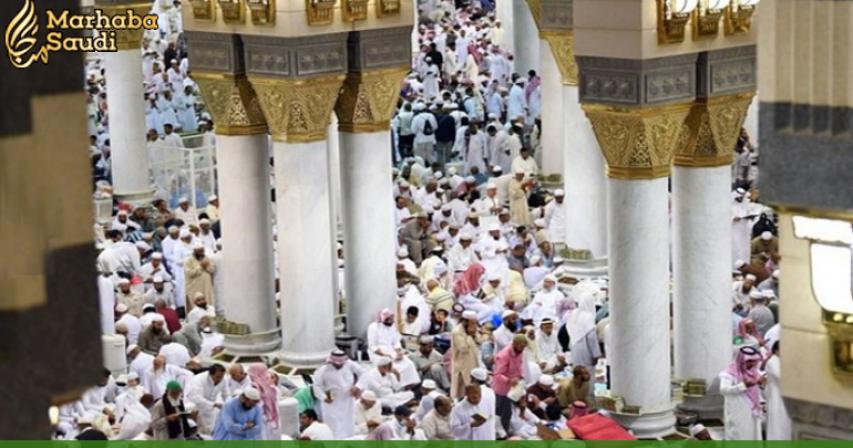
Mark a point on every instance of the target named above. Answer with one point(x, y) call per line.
point(21, 37)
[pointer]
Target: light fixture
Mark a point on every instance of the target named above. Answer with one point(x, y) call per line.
point(354, 10)
point(263, 11)
point(232, 10)
point(706, 18)
point(831, 255)
point(203, 9)
point(320, 12)
point(673, 16)
point(738, 17)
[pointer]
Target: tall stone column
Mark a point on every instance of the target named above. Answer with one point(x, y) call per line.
point(638, 146)
point(242, 152)
point(504, 11)
point(298, 110)
point(525, 35)
point(364, 110)
point(550, 158)
point(131, 173)
point(378, 60)
point(701, 257)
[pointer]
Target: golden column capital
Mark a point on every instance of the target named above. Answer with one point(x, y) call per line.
point(711, 130)
point(127, 39)
point(637, 143)
point(368, 99)
point(562, 44)
point(298, 110)
point(232, 102)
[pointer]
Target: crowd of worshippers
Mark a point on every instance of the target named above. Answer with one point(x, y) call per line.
point(171, 98)
point(464, 101)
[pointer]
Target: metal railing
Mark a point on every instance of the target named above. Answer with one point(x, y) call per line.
point(189, 171)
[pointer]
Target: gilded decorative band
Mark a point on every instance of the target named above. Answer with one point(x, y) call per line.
point(232, 102)
point(367, 99)
point(711, 130)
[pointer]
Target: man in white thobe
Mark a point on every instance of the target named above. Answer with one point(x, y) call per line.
point(383, 339)
point(555, 218)
point(207, 392)
point(384, 382)
point(335, 389)
point(468, 421)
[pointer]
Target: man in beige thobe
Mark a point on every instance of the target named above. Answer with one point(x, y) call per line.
point(518, 190)
point(465, 353)
point(198, 272)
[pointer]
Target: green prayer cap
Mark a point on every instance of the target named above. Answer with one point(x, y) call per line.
point(173, 385)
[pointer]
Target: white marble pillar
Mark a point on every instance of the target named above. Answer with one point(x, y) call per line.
point(247, 264)
point(369, 230)
point(584, 179)
point(307, 267)
point(639, 303)
point(701, 262)
point(526, 37)
point(334, 140)
point(751, 122)
point(504, 13)
point(130, 165)
point(550, 158)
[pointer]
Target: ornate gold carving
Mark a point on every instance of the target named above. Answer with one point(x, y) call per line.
point(298, 110)
point(354, 10)
point(536, 11)
point(320, 12)
point(385, 8)
point(128, 39)
point(232, 10)
point(706, 22)
point(367, 100)
point(562, 45)
point(232, 102)
point(637, 143)
point(670, 24)
point(710, 132)
point(203, 10)
point(263, 12)
point(738, 20)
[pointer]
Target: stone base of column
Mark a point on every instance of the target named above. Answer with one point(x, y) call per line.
point(596, 267)
point(649, 426)
point(136, 198)
point(253, 343)
point(299, 362)
point(706, 408)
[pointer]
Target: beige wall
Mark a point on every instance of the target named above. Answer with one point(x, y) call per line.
point(628, 29)
point(806, 362)
point(805, 52)
point(291, 21)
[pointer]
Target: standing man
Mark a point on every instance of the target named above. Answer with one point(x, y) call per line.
point(518, 191)
point(199, 270)
point(465, 352)
point(335, 386)
point(241, 418)
point(741, 384)
point(509, 370)
point(206, 391)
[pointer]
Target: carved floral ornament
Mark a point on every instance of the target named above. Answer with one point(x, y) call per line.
point(232, 102)
point(710, 132)
point(637, 143)
point(562, 47)
point(368, 99)
point(297, 110)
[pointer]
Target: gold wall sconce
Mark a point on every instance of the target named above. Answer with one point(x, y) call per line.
point(830, 256)
point(706, 18)
point(320, 12)
point(386, 8)
point(354, 10)
point(203, 10)
point(262, 11)
point(232, 10)
point(739, 16)
point(673, 16)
